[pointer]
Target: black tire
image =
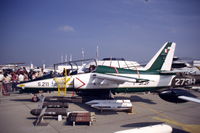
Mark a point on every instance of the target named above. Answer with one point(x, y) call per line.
point(35, 98)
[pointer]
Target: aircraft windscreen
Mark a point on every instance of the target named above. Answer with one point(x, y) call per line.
point(77, 66)
point(89, 67)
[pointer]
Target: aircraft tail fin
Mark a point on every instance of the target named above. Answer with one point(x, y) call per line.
point(162, 60)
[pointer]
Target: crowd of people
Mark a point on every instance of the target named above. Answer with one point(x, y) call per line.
point(9, 78)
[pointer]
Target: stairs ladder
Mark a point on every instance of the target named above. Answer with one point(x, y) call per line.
point(62, 83)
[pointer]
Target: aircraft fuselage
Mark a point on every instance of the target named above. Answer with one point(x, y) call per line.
point(87, 81)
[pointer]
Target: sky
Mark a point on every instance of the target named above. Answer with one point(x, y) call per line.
point(44, 31)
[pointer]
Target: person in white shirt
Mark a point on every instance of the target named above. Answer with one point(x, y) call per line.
point(1, 81)
point(21, 77)
point(1, 76)
point(7, 78)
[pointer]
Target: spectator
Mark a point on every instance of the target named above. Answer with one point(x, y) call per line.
point(33, 75)
point(36, 74)
point(14, 77)
point(7, 78)
point(91, 68)
point(26, 77)
point(24, 70)
point(1, 81)
point(30, 74)
point(14, 80)
point(40, 74)
point(21, 77)
point(6, 84)
point(1, 76)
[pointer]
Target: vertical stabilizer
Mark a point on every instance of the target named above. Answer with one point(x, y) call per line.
point(162, 60)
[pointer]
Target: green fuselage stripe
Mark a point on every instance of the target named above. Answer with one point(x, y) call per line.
point(106, 69)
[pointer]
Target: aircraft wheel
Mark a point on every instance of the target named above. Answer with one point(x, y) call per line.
point(35, 98)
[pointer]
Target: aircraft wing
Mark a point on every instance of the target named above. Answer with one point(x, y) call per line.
point(117, 79)
point(190, 99)
point(176, 71)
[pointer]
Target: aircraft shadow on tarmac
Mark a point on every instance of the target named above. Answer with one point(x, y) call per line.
point(22, 100)
point(45, 117)
point(140, 99)
point(175, 130)
point(137, 99)
point(143, 124)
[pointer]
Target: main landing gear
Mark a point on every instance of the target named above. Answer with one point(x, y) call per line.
point(35, 98)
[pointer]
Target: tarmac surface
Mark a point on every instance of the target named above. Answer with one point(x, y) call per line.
point(149, 109)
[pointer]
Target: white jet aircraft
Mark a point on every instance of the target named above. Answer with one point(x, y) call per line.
point(101, 80)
